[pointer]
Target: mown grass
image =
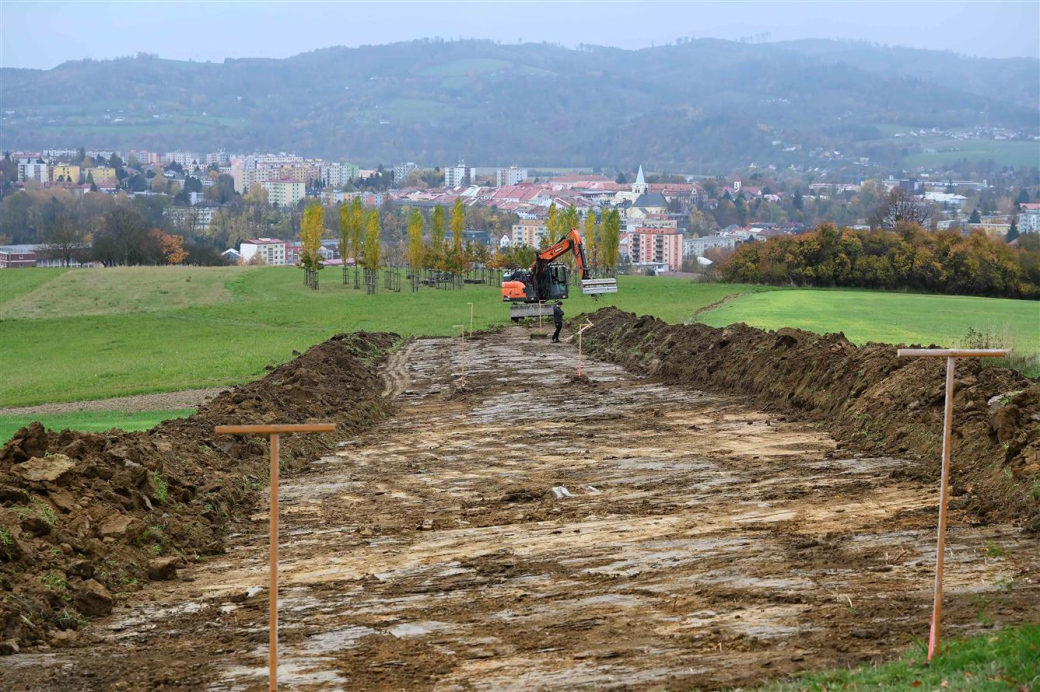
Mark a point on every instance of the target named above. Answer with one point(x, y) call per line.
point(93, 334)
point(1005, 660)
point(90, 421)
point(17, 282)
point(889, 317)
point(141, 340)
point(120, 291)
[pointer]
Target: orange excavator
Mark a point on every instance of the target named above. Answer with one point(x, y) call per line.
point(547, 279)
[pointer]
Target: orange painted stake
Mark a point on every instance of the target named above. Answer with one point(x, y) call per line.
point(951, 356)
point(462, 353)
point(274, 431)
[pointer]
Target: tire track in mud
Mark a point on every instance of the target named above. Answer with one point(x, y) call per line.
point(531, 532)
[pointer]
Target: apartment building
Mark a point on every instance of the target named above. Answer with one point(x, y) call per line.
point(285, 193)
point(271, 250)
point(529, 232)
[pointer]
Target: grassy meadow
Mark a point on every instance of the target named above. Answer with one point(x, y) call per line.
point(72, 335)
point(93, 334)
point(886, 317)
point(91, 421)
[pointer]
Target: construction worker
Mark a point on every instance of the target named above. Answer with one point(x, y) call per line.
point(558, 319)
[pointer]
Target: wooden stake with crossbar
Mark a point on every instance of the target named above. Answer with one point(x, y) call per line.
point(462, 353)
point(585, 326)
point(951, 355)
point(273, 431)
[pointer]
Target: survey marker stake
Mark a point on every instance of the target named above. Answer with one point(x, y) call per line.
point(951, 355)
point(462, 353)
point(585, 326)
point(274, 431)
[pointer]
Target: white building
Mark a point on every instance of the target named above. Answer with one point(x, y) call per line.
point(220, 157)
point(455, 176)
point(272, 250)
point(285, 193)
point(697, 247)
point(1029, 219)
point(401, 172)
point(181, 158)
point(31, 170)
point(510, 176)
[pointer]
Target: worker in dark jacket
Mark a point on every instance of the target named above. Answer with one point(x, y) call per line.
point(558, 319)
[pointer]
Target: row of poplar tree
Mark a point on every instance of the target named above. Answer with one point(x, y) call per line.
point(359, 237)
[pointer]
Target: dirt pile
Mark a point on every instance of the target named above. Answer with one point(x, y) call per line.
point(868, 398)
point(86, 516)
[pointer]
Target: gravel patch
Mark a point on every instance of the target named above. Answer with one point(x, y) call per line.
point(187, 398)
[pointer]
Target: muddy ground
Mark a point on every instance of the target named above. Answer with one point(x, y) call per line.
point(532, 532)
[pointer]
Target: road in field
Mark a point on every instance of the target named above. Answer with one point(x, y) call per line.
point(533, 532)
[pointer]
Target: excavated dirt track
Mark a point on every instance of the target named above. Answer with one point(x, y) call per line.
point(531, 532)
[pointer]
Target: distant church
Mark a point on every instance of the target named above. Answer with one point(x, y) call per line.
point(643, 202)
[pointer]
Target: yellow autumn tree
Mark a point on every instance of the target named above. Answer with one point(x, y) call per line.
point(415, 241)
point(591, 240)
point(371, 245)
point(310, 232)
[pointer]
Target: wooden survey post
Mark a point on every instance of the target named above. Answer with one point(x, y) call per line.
point(951, 355)
point(462, 353)
point(585, 326)
point(273, 431)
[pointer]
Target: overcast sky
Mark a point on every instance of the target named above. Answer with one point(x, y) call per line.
point(44, 34)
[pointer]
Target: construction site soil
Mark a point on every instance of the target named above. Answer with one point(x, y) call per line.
point(85, 516)
point(533, 530)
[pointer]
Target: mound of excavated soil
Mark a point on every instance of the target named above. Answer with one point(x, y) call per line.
point(867, 397)
point(84, 516)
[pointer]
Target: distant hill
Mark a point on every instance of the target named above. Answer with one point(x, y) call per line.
point(705, 102)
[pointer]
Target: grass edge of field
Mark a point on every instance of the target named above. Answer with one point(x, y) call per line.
point(1006, 659)
point(90, 421)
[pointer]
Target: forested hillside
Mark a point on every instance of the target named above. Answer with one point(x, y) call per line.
point(699, 103)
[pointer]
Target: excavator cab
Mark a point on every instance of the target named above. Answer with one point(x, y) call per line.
point(554, 282)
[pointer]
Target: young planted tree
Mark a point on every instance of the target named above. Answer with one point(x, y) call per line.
point(591, 241)
point(371, 247)
point(611, 240)
point(310, 232)
point(569, 219)
point(357, 228)
point(345, 234)
point(553, 223)
point(438, 232)
point(458, 227)
point(416, 250)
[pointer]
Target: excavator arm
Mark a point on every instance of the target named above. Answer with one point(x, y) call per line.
point(546, 281)
point(573, 243)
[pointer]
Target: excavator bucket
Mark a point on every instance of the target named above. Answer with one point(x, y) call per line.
point(595, 287)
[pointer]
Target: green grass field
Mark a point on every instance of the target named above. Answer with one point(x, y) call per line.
point(91, 421)
point(94, 334)
point(116, 332)
point(887, 317)
point(1008, 659)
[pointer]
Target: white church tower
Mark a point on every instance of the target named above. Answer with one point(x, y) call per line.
point(639, 187)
